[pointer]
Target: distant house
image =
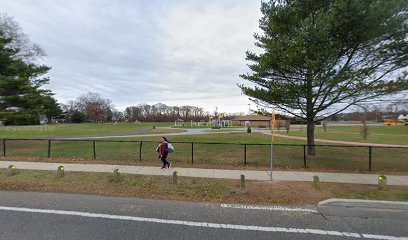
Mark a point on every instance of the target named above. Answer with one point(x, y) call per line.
point(253, 121)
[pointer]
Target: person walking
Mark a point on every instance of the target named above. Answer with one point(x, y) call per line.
point(163, 151)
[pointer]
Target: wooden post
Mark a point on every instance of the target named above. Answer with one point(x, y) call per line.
point(175, 180)
point(316, 182)
point(242, 181)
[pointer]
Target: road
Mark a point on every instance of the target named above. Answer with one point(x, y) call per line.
point(32, 215)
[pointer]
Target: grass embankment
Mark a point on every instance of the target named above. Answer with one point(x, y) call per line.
point(74, 130)
point(377, 134)
point(194, 189)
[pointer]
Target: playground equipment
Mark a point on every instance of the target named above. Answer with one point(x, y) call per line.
point(218, 122)
point(199, 124)
point(179, 123)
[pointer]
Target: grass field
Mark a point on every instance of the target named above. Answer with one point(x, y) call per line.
point(69, 130)
point(377, 134)
point(194, 189)
point(187, 154)
point(244, 150)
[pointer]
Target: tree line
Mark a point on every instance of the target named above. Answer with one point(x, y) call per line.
point(92, 107)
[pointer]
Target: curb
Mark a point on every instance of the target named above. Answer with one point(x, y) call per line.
point(359, 203)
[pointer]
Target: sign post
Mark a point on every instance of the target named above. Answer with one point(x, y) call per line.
point(272, 137)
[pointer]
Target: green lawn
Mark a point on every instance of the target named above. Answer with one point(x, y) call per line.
point(202, 151)
point(70, 130)
point(234, 151)
point(377, 134)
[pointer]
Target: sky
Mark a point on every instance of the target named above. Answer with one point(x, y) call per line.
point(179, 52)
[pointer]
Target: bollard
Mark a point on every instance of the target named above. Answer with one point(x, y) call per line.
point(316, 182)
point(61, 171)
point(382, 182)
point(12, 170)
point(175, 180)
point(116, 175)
point(242, 181)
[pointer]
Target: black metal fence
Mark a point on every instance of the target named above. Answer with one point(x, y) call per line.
point(290, 156)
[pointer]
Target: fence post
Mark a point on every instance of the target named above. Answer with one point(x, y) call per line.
point(369, 158)
point(49, 148)
point(304, 156)
point(192, 153)
point(245, 154)
point(4, 147)
point(140, 151)
point(94, 149)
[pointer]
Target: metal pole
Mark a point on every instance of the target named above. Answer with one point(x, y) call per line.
point(140, 151)
point(4, 147)
point(245, 154)
point(192, 153)
point(369, 158)
point(271, 156)
point(272, 128)
point(304, 156)
point(49, 148)
point(94, 149)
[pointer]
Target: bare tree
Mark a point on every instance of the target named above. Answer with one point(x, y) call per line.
point(95, 107)
point(29, 51)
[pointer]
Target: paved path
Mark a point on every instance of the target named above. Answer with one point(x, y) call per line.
point(186, 131)
point(340, 142)
point(214, 173)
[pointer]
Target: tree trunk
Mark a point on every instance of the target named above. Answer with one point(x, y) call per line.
point(310, 137)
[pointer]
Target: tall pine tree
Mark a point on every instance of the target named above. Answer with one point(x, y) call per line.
point(322, 56)
point(22, 99)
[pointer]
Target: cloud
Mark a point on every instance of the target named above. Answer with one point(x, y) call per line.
point(174, 52)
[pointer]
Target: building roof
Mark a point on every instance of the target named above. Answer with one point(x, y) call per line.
point(252, 118)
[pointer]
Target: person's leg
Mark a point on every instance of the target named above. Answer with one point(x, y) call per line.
point(165, 162)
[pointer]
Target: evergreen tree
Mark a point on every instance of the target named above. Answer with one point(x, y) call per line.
point(322, 56)
point(21, 98)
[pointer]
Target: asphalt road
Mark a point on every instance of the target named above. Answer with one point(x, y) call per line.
point(32, 215)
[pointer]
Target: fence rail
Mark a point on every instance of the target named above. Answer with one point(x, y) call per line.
point(294, 156)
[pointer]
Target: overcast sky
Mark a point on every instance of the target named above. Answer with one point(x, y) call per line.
point(179, 52)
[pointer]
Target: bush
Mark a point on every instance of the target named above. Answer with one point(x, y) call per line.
point(22, 119)
point(249, 130)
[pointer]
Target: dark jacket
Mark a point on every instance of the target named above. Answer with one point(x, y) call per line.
point(163, 148)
